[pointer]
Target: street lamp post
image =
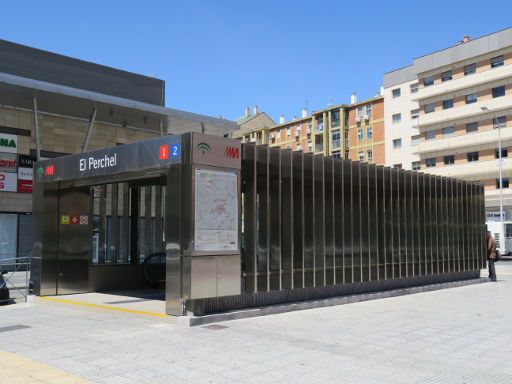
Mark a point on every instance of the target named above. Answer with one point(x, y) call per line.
point(500, 162)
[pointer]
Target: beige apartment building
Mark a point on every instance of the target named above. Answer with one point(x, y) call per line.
point(463, 96)
point(253, 128)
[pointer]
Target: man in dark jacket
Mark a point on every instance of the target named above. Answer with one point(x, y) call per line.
point(491, 255)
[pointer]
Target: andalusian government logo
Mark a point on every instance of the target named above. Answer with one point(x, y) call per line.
point(203, 147)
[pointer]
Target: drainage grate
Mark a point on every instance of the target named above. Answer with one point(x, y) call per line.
point(215, 327)
point(13, 328)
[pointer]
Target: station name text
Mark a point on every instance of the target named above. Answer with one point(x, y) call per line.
point(90, 163)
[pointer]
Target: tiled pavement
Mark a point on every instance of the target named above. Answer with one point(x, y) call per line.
point(459, 335)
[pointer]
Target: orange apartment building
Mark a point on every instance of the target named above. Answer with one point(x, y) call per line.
point(352, 131)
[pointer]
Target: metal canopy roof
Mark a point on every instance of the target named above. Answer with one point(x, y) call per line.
point(19, 92)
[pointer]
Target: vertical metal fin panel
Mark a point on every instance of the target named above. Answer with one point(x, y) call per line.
point(311, 222)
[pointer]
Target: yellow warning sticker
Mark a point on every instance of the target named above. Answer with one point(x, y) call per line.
point(64, 219)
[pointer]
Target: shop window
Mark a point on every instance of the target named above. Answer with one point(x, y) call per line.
point(8, 237)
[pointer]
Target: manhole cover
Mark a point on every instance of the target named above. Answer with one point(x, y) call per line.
point(13, 328)
point(215, 327)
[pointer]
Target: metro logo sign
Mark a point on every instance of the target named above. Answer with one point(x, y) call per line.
point(232, 152)
point(49, 170)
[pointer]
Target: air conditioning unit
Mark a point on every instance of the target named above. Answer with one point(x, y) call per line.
point(366, 117)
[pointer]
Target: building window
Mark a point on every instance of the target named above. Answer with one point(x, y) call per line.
point(288, 131)
point(445, 76)
point(499, 122)
point(430, 107)
point(360, 156)
point(504, 153)
point(472, 127)
point(415, 113)
point(359, 112)
point(448, 104)
point(396, 92)
point(415, 140)
point(335, 140)
point(430, 162)
point(472, 156)
point(369, 155)
point(397, 143)
point(368, 111)
point(469, 69)
point(449, 160)
point(428, 81)
point(416, 165)
point(397, 118)
point(397, 166)
point(414, 88)
point(369, 133)
point(498, 91)
point(430, 135)
point(278, 134)
point(360, 134)
point(335, 118)
point(471, 98)
point(497, 61)
point(504, 181)
point(448, 131)
point(336, 155)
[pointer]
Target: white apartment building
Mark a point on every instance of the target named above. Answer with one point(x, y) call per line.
point(401, 116)
point(465, 104)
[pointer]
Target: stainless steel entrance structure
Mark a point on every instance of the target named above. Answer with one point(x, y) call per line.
point(316, 227)
point(196, 183)
point(244, 226)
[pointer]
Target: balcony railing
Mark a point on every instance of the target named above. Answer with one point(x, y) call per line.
point(319, 148)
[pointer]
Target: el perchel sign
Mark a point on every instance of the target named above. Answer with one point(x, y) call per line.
point(110, 161)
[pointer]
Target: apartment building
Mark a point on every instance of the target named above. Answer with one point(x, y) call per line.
point(253, 127)
point(354, 131)
point(464, 96)
point(365, 131)
point(401, 118)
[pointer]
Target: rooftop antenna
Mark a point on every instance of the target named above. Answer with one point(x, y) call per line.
point(329, 104)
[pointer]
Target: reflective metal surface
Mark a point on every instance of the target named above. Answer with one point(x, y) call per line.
point(74, 242)
point(342, 222)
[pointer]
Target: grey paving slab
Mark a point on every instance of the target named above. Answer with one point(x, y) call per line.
point(458, 335)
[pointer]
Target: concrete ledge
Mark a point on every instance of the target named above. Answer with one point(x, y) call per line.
point(191, 321)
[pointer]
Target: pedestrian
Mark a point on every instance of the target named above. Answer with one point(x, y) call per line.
point(491, 255)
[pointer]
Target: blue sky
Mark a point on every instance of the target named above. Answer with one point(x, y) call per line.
point(219, 56)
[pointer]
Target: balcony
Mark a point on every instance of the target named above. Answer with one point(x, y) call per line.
point(445, 116)
point(477, 170)
point(336, 144)
point(494, 74)
point(469, 142)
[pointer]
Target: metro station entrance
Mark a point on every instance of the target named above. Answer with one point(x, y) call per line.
point(127, 226)
point(150, 216)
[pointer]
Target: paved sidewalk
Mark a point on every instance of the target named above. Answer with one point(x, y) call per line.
point(16, 369)
point(459, 335)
